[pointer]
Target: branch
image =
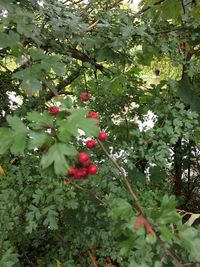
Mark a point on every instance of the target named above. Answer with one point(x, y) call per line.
point(85, 58)
point(60, 88)
point(125, 179)
point(68, 80)
point(139, 206)
point(151, 6)
point(92, 259)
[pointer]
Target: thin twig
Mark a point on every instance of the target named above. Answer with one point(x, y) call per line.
point(92, 259)
point(139, 207)
point(149, 7)
point(125, 179)
point(88, 190)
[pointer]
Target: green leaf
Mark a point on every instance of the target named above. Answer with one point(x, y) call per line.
point(37, 54)
point(6, 136)
point(51, 219)
point(166, 234)
point(31, 86)
point(77, 120)
point(19, 134)
point(167, 213)
point(157, 174)
point(59, 68)
point(56, 155)
point(190, 240)
point(40, 120)
point(38, 139)
point(188, 94)
point(9, 258)
point(121, 209)
point(8, 40)
point(89, 126)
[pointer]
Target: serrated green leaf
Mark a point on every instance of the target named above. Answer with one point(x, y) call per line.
point(31, 86)
point(6, 136)
point(77, 120)
point(38, 139)
point(40, 120)
point(89, 126)
point(37, 54)
point(56, 155)
point(51, 220)
point(9, 258)
point(19, 134)
point(59, 68)
point(166, 234)
point(8, 40)
point(190, 240)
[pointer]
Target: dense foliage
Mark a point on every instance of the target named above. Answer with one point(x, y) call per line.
point(137, 71)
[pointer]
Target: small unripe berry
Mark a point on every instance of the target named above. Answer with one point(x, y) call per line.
point(82, 157)
point(102, 136)
point(53, 110)
point(85, 96)
point(93, 115)
point(91, 144)
point(93, 169)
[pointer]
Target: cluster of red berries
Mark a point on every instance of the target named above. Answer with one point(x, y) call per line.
point(85, 167)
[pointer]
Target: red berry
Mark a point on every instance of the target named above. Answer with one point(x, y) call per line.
point(92, 169)
point(83, 156)
point(77, 174)
point(93, 115)
point(53, 110)
point(102, 136)
point(86, 163)
point(81, 174)
point(84, 173)
point(85, 96)
point(91, 144)
point(71, 171)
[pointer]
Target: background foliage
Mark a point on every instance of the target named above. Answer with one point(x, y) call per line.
point(141, 70)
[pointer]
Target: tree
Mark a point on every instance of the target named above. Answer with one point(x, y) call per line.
point(64, 64)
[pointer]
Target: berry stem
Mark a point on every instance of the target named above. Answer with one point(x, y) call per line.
point(139, 207)
point(125, 179)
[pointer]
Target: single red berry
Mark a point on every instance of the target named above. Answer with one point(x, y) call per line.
point(93, 115)
point(102, 136)
point(77, 174)
point(86, 163)
point(71, 171)
point(93, 169)
point(84, 173)
point(85, 96)
point(91, 144)
point(83, 156)
point(53, 110)
point(81, 174)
